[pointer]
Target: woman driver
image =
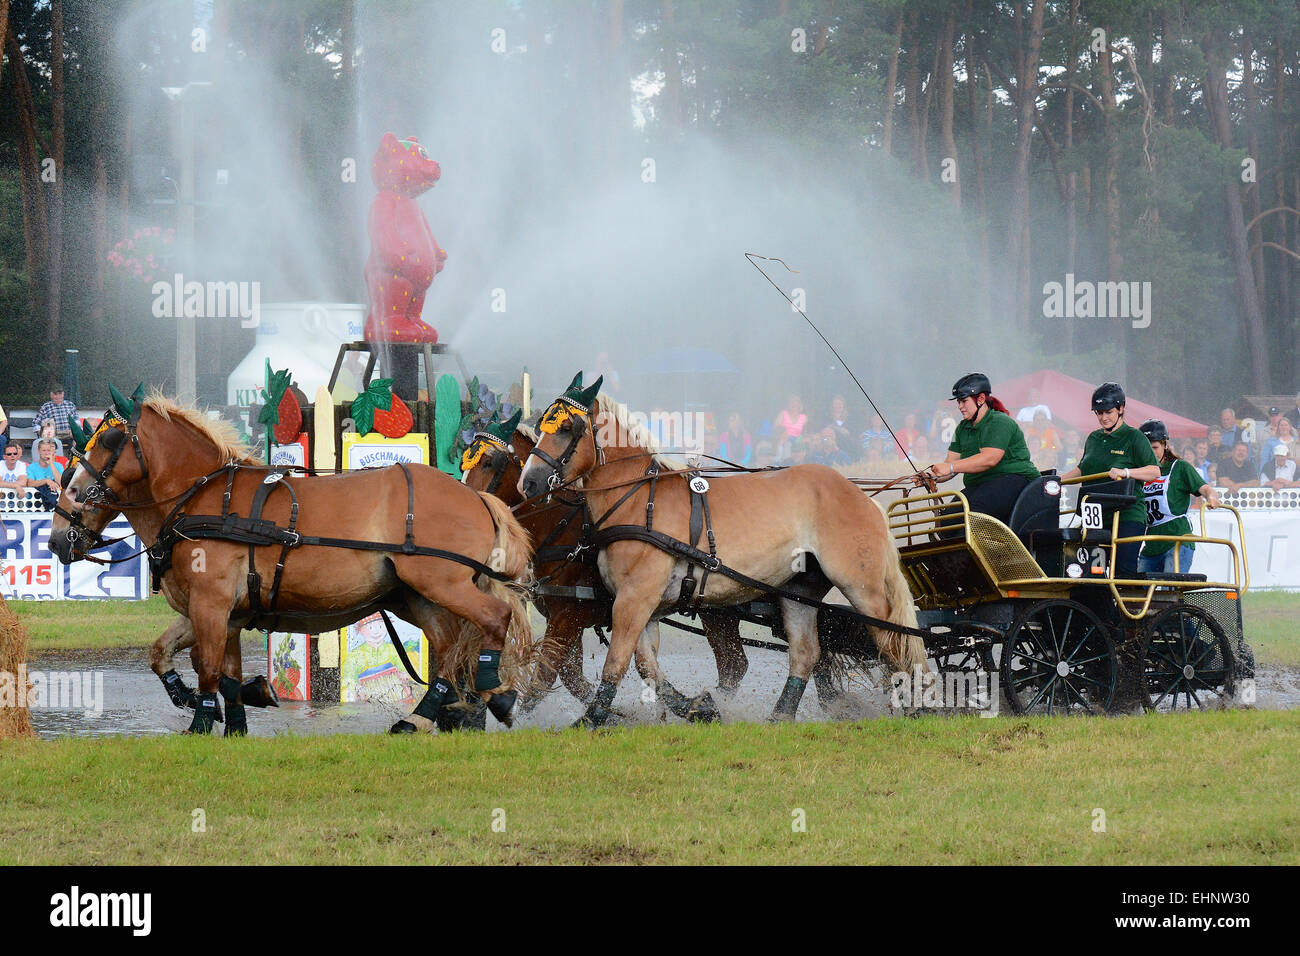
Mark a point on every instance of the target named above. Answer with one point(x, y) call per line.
point(1120, 451)
point(988, 448)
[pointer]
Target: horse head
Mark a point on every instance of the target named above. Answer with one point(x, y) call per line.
point(566, 442)
point(101, 476)
point(494, 459)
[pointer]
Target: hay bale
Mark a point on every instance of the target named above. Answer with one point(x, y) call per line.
point(15, 721)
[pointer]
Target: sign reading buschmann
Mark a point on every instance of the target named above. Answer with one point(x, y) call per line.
point(29, 571)
point(375, 451)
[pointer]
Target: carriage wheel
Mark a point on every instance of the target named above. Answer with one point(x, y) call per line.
point(1187, 662)
point(1058, 658)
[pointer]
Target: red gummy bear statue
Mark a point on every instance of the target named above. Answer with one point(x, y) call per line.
point(404, 256)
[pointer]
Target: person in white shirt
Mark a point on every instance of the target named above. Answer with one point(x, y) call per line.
point(13, 473)
point(1280, 472)
point(1035, 405)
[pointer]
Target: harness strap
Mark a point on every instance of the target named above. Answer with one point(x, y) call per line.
point(401, 649)
point(663, 542)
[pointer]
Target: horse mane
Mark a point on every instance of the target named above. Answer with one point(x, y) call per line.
point(218, 431)
point(636, 433)
point(529, 431)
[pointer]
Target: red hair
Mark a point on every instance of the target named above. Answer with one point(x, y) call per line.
point(996, 404)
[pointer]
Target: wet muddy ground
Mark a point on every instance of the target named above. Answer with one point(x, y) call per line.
point(134, 703)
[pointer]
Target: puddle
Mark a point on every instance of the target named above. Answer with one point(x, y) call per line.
point(134, 703)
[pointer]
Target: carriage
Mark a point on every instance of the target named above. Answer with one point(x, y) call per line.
point(1036, 602)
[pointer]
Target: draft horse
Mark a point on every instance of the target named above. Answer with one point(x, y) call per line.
point(493, 463)
point(237, 545)
point(806, 529)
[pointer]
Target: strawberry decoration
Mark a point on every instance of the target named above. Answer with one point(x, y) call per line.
point(378, 409)
point(282, 409)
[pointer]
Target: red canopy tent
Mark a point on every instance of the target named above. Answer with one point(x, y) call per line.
point(1071, 402)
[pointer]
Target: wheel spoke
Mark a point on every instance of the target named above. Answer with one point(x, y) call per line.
point(1091, 660)
point(1209, 650)
point(1165, 693)
point(1070, 687)
point(1049, 685)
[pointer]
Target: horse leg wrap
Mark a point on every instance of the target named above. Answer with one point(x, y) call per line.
point(205, 713)
point(258, 692)
point(598, 710)
point(488, 676)
point(229, 688)
point(180, 694)
point(453, 713)
point(673, 699)
point(826, 689)
point(703, 710)
point(787, 705)
point(236, 721)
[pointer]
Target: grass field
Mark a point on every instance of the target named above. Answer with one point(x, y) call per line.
point(1272, 624)
point(1184, 789)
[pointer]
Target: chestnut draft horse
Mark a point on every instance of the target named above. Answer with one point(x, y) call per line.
point(755, 523)
point(492, 463)
point(242, 545)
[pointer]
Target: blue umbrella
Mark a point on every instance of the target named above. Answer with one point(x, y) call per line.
point(686, 358)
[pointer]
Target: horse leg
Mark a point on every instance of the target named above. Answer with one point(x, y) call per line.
point(631, 615)
point(489, 615)
point(722, 631)
point(178, 636)
point(212, 632)
point(561, 652)
point(800, 623)
point(232, 675)
point(701, 708)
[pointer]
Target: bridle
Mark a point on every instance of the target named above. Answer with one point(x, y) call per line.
point(478, 447)
point(564, 411)
point(98, 494)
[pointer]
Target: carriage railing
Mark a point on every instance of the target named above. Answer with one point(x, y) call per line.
point(945, 518)
point(929, 515)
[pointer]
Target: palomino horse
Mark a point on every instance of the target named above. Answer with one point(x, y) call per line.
point(493, 463)
point(806, 528)
point(267, 559)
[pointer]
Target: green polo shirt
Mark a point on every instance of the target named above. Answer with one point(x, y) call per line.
point(1125, 447)
point(995, 430)
point(1181, 483)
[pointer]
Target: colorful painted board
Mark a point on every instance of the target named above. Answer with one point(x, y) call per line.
point(446, 422)
point(287, 665)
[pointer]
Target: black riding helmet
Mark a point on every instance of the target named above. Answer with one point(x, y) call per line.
point(1155, 430)
point(1107, 396)
point(968, 386)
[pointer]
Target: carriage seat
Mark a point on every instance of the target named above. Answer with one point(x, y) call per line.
point(1037, 508)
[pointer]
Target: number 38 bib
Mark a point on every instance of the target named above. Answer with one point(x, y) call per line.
point(1157, 501)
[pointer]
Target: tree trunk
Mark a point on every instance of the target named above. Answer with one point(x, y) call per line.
point(891, 85)
point(58, 138)
point(824, 31)
point(977, 149)
point(1251, 316)
point(672, 73)
point(912, 89)
point(4, 30)
point(1283, 221)
point(1251, 118)
point(924, 161)
point(947, 143)
point(35, 222)
point(1018, 222)
point(1071, 181)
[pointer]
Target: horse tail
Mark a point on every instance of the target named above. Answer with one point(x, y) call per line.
point(905, 651)
point(512, 553)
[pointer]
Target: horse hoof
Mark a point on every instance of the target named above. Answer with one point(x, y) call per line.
point(703, 710)
point(233, 730)
point(403, 727)
point(501, 705)
point(781, 718)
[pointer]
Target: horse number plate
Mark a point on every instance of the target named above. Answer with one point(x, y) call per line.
point(1092, 516)
point(699, 485)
